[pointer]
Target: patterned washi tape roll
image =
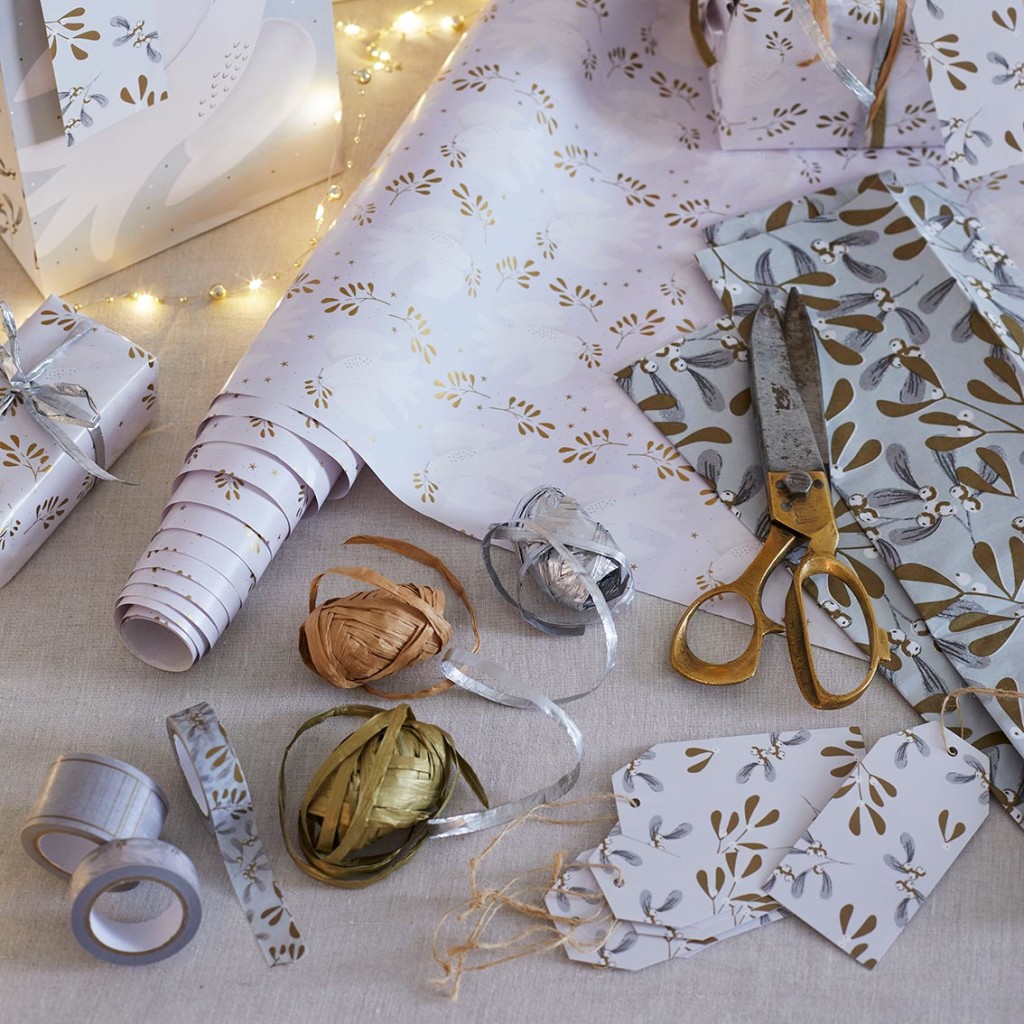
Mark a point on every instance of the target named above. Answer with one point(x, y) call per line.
point(214, 777)
point(86, 800)
point(118, 865)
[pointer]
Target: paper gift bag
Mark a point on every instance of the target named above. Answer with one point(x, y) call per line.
point(40, 484)
point(129, 127)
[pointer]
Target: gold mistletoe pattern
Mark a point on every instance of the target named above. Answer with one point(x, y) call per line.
point(467, 311)
point(106, 66)
point(860, 886)
point(772, 90)
point(898, 497)
point(27, 455)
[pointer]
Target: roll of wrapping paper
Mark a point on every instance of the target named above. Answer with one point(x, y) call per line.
point(215, 779)
point(85, 801)
point(458, 325)
point(122, 864)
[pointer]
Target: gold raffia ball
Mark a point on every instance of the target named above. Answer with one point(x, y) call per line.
point(357, 639)
point(364, 811)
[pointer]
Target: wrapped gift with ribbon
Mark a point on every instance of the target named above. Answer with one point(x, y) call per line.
point(73, 396)
point(824, 74)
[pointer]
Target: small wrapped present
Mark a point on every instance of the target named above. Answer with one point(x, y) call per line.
point(774, 89)
point(73, 396)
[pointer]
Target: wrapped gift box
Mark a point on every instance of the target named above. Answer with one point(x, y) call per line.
point(768, 94)
point(128, 127)
point(39, 483)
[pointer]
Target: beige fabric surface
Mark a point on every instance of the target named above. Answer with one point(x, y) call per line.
point(67, 684)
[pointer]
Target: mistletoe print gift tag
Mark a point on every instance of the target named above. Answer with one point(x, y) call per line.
point(889, 834)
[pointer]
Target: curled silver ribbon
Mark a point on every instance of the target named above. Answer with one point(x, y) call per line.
point(468, 670)
point(829, 57)
point(491, 681)
point(49, 404)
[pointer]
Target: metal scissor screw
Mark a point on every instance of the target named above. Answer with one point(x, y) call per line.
point(798, 481)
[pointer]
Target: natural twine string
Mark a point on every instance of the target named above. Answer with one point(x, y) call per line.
point(520, 895)
point(354, 640)
point(986, 691)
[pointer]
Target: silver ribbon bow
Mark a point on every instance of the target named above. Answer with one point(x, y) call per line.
point(865, 93)
point(50, 405)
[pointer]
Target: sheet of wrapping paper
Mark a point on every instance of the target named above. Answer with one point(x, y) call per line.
point(705, 375)
point(529, 229)
point(972, 54)
point(768, 96)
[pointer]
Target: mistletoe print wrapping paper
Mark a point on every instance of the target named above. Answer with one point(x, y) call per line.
point(884, 518)
point(530, 228)
point(101, 52)
point(885, 840)
point(40, 484)
point(957, 79)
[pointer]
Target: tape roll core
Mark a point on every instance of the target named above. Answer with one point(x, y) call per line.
point(138, 936)
point(107, 869)
point(188, 769)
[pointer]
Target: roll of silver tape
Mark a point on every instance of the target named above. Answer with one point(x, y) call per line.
point(86, 800)
point(112, 866)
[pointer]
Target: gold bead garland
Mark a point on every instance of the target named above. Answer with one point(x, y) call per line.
point(373, 57)
point(365, 636)
point(378, 788)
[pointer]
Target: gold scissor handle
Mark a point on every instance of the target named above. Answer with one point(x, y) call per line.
point(798, 631)
point(749, 586)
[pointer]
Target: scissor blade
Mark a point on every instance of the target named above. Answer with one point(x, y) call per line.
point(803, 361)
point(786, 436)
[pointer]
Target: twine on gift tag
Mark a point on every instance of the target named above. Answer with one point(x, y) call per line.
point(522, 896)
point(982, 691)
point(354, 640)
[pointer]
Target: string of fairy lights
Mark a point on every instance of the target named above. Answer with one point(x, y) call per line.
point(376, 51)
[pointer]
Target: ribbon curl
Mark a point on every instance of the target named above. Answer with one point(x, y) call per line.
point(49, 404)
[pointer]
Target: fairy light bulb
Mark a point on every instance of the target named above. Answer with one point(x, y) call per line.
point(408, 23)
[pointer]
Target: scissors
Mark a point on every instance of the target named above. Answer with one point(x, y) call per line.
point(800, 509)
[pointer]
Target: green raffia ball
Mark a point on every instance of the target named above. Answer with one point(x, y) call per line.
point(366, 810)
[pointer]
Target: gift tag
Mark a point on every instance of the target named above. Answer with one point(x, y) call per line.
point(703, 824)
point(864, 866)
point(594, 936)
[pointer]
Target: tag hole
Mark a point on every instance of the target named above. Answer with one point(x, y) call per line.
point(952, 751)
point(635, 802)
point(619, 883)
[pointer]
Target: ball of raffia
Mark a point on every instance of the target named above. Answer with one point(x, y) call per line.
point(354, 640)
point(367, 808)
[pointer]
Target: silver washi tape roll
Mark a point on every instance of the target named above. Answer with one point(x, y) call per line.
point(107, 869)
point(86, 800)
point(217, 784)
